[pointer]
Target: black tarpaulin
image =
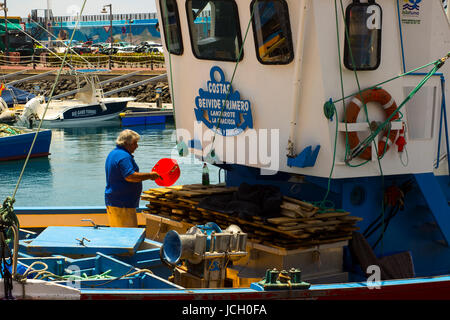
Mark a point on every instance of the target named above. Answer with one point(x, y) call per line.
point(249, 200)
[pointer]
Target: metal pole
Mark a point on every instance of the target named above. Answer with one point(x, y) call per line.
point(130, 21)
point(298, 63)
point(448, 11)
point(111, 34)
point(6, 30)
point(47, 23)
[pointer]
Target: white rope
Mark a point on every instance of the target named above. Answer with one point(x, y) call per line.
point(30, 268)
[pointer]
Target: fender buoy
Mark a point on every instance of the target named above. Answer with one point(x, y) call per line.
point(401, 141)
point(389, 106)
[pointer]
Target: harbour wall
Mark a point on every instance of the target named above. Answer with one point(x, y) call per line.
point(143, 93)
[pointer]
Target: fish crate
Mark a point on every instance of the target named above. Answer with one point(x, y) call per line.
point(158, 226)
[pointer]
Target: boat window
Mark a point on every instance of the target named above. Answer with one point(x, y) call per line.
point(171, 26)
point(363, 22)
point(214, 29)
point(272, 31)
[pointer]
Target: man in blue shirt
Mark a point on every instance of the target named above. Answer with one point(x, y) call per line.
point(124, 181)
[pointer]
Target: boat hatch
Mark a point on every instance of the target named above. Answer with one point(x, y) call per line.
point(85, 240)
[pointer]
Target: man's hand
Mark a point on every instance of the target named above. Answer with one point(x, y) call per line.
point(154, 175)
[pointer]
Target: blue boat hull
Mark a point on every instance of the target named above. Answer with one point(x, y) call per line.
point(17, 147)
point(146, 118)
point(420, 227)
point(143, 276)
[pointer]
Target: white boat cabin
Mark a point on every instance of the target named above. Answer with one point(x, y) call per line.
point(251, 79)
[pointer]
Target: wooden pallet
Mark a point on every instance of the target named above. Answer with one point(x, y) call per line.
point(299, 224)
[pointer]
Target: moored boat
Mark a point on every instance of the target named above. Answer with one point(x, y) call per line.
point(353, 96)
point(89, 107)
point(76, 113)
point(344, 154)
point(94, 262)
point(15, 143)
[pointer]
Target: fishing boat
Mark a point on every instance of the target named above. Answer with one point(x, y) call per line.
point(9, 97)
point(79, 112)
point(15, 143)
point(12, 96)
point(336, 107)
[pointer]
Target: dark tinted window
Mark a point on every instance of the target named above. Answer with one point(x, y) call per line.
point(364, 21)
point(214, 29)
point(171, 23)
point(272, 31)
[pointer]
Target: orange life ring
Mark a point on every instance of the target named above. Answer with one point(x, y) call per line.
point(388, 104)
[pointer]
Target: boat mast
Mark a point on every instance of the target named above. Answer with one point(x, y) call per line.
point(5, 9)
point(47, 22)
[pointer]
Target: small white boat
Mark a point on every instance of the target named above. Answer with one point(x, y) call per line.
point(73, 113)
point(88, 107)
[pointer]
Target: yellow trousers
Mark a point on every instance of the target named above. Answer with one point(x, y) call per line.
point(122, 217)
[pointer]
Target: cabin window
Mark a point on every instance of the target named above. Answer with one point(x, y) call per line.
point(171, 26)
point(272, 31)
point(363, 22)
point(214, 29)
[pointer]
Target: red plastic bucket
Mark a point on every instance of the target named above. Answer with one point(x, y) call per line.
point(169, 171)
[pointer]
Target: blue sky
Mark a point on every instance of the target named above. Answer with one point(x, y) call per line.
point(66, 7)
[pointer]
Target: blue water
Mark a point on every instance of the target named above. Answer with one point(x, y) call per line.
point(74, 173)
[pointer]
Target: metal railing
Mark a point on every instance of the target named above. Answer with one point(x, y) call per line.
point(99, 17)
point(92, 61)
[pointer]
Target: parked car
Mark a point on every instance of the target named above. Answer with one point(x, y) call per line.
point(149, 47)
point(158, 50)
point(129, 49)
point(121, 44)
point(151, 43)
point(108, 50)
point(82, 49)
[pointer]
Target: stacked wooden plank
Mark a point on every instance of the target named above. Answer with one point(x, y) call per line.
point(299, 224)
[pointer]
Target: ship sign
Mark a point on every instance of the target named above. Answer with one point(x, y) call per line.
point(221, 109)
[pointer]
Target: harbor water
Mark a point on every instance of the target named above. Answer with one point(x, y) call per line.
point(74, 173)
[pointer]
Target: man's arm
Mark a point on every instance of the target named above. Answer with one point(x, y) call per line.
point(142, 176)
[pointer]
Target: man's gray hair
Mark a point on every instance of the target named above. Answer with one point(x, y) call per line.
point(127, 137)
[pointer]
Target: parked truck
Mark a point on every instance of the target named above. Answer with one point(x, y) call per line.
point(18, 41)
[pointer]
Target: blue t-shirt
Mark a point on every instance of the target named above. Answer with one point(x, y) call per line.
point(119, 192)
